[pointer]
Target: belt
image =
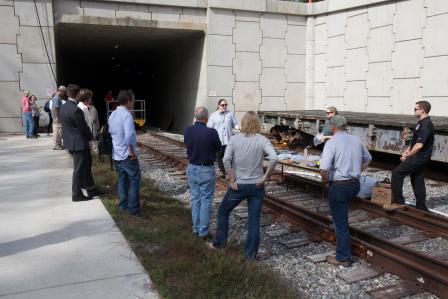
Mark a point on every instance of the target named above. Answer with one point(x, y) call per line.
point(352, 180)
point(204, 164)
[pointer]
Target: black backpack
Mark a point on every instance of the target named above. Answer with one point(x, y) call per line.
point(47, 106)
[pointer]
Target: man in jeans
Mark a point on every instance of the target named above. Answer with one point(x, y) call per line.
point(414, 160)
point(202, 146)
point(56, 104)
point(124, 153)
point(343, 159)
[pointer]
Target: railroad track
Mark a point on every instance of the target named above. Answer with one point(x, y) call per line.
point(384, 239)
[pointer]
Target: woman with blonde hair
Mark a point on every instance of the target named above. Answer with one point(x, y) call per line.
point(243, 161)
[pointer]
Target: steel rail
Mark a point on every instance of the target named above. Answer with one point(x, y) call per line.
point(421, 269)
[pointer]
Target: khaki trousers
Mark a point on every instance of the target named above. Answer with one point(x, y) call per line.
point(57, 134)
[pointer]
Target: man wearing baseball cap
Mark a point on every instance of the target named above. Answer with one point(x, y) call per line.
point(343, 159)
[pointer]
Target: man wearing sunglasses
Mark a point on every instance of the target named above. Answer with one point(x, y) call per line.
point(223, 121)
point(414, 160)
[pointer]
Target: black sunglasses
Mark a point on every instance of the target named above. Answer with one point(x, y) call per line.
point(223, 105)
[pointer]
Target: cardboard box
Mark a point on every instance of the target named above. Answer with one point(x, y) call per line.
point(382, 194)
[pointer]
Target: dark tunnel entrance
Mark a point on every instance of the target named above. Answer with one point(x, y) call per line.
point(162, 67)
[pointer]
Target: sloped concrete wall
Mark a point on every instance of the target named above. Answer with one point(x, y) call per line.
point(24, 63)
point(381, 58)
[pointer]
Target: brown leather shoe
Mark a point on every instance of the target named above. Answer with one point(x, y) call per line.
point(332, 260)
point(394, 207)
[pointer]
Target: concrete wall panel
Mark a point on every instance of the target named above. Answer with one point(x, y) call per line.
point(336, 24)
point(321, 39)
point(320, 67)
point(99, 9)
point(404, 94)
point(221, 22)
point(438, 106)
point(31, 45)
point(247, 66)
point(434, 36)
point(26, 10)
point(136, 11)
point(356, 64)
point(409, 20)
point(382, 15)
point(320, 96)
point(335, 82)
point(436, 7)
point(404, 53)
point(248, 16)
point(295, 96)
point(356, 12)
point(193, 15)
point(379, 79)
point(378, 105)
point(247, 36)
point(221, 81)
point(355, 96)
point(273, 82)
point(295, 39)
point(273, 26)
point(336, 51)
point(435, 76)
point(246, 96)
point(295, 68)
point(10, 63)
point(357, 31)
point(9, 25)
point(380, 44)
point(10, 100)
point(273, 52)
point(37, 78)
point(272, 104)
point(221, 50)
point(296, 20)
point(11, 124)
point(162, 13)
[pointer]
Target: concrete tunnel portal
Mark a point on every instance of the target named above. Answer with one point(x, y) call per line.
point(162, 67)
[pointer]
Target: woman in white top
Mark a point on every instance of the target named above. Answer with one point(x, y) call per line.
point(223, 121)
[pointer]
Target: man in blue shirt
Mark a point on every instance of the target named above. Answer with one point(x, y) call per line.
point(124, 153)
point(202, 145)
point(343, 159)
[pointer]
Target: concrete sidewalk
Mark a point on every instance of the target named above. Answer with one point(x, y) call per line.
point(51, 247)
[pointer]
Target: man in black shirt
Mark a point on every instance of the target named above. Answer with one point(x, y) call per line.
point(202, 146)
point(414, 160)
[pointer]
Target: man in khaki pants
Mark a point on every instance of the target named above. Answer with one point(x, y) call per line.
point(56, 104)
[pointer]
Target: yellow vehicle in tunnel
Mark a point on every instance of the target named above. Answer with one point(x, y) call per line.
point(138, 112)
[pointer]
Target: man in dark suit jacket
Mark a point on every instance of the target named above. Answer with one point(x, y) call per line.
point(76, 137)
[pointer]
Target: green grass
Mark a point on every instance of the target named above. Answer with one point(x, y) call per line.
point(179, 264)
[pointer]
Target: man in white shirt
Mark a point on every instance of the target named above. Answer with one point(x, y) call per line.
point(223, 121)
point(84, 98)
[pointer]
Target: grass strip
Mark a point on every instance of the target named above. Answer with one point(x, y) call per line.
point(181, 265)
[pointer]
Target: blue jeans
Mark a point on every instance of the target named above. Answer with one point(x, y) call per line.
point(339, 195)
point(202, 187)
point(233, 198)
point(128, 185)
point(28, 123)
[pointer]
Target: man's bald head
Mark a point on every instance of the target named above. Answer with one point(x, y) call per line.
point(201, 114)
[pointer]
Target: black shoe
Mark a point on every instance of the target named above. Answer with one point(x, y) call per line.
point(81, 198)
point(94, 193)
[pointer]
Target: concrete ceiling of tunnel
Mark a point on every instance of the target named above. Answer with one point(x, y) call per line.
point(96, 40)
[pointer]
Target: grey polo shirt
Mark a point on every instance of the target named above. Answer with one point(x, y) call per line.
point(223, 123)
point(343, 157)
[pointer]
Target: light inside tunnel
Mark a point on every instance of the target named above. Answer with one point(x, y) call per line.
point(162, 67)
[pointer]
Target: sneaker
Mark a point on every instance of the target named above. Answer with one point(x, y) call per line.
point(331, 259)
point(394, 207)
point(58, 147)
point(94, 193)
